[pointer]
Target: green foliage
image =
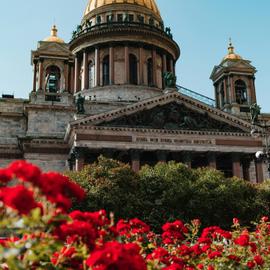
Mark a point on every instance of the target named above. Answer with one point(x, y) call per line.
point(170, 191)
point(110, 185)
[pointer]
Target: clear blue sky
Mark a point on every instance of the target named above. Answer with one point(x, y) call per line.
point(201, 28)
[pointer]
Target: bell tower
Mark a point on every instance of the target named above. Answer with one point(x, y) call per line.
point(234, 82)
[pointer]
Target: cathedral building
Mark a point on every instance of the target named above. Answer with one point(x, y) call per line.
point(111, 90)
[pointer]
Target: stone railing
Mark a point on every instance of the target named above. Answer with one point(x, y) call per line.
point(114, 25)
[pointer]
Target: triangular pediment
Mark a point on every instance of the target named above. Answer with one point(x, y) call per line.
point(173, 111)
point(53, 47)
point(172, 116)
point(233, 65)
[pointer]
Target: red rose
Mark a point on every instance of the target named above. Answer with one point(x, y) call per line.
point(134, 226)
point(251, 264)
point(234, 258)
point(25, 171)
point(173, 232)
point(242, 240)
point(259, 260)
point(174, 266)
point(5, 175)
point(98, 218)
point(18, 198)
point(114, 255)
point(160, 254)
point(78, 230)
point(214, 254)
point(59, 189)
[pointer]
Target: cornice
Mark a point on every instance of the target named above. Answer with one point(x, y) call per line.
point(121, 34)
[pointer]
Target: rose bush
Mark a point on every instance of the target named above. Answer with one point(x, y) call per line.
point(37, 232)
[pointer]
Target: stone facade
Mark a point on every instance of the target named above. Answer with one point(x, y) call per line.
point(105, 93)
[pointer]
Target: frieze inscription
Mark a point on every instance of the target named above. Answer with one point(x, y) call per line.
point(173, 141)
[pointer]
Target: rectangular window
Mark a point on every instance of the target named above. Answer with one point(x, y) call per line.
point(140, 19)
point(109, 18)
point(131, 18)
point(120, 17)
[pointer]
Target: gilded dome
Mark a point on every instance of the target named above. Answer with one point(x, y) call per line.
point(53, 37)
point(231, 54)
point(149, 4)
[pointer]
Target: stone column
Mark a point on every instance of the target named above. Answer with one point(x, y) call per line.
point(66, 71)
point(35, 77)
point(76, 75)
point(232, 90)
point(111, 55)
point(154, 58)
point(259, 171)
point(97, 66)
point(164, 68)
point(246, 166)
point(236, 165)
point(40, 74)
point(162, 156)
point(141, 66)
point(164, 63)
point(254, 99)
point(135, 160)
point(187, 159)
point(212, 163)
point(226, 100)
point(252, 172)
point(172, 66)
point(79, 162)
point(126, 64)
point(85, 71)
point(71, 75)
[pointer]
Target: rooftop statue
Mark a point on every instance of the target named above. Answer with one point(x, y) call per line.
point(80, 104)
point(170, 80)
point(255, 111)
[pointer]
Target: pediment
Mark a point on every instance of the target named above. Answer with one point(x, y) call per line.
point(240, 65)
point(172, 111)
point(172, 116)
point(53, 47)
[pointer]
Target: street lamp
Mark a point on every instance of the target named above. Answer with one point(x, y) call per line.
point(262, 155)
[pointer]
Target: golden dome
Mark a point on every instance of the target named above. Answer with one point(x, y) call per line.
point(54, 37)
point(231, 54)
point(149, 4)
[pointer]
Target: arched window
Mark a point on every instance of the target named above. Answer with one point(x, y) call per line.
point(53, 76)
point(133, 69)
point(240, 92)
point(150, 72)
point(91, 74)
point(106, 70)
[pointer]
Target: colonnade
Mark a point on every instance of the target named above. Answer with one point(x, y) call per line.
point(239, 164)
point(81, 81)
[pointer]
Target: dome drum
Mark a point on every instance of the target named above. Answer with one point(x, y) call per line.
point(122, 71)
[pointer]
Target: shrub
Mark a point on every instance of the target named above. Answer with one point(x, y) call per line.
point(171, 191)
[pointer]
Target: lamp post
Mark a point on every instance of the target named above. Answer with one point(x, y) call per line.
point(263, 155)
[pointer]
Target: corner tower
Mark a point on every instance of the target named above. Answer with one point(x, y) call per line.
point(234, 82)
point(122, 50)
